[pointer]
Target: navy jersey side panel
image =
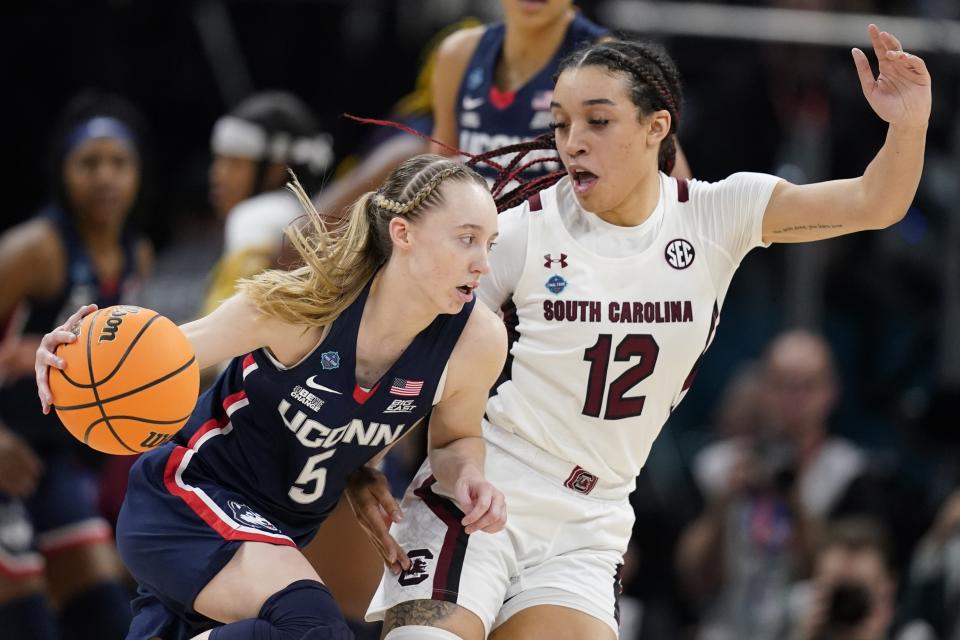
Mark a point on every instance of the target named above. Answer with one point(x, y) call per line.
point(286, 439)
point(488, 118)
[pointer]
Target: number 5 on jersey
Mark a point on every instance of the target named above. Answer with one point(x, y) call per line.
point(311, 473)
point(619, 405)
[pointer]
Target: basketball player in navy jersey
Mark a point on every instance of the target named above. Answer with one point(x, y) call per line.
point(80, 247)
point(331, 364)
point(618, 273)
point(492, 84)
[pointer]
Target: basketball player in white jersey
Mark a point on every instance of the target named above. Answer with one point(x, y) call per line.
point(618, 273)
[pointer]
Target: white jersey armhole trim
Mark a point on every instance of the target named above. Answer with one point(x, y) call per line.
point(440, 385)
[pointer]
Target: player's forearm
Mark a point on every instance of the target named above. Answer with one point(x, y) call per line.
point(891, 179)
point(460, 458)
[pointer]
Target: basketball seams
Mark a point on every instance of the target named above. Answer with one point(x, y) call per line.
point(96, 394)
point(86, 434)
point(132, 344)
point(131, 392)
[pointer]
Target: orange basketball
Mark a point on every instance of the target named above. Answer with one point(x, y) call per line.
point(130, 381)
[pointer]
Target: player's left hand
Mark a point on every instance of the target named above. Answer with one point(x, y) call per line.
point(900, 94)
point(375, 508)
point(484, 505)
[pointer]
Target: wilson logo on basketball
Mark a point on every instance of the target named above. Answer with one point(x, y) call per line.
point(679, 253)
point(155, 439)
point(109, 330)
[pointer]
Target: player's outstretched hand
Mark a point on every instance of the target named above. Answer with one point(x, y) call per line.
point(47, 356)
point(900, 94)
point(375, 509)
point(484, 505)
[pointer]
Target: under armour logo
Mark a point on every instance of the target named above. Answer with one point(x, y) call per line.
point(549, 260)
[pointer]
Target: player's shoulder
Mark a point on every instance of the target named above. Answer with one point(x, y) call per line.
point(484, 336)
point(732, 183)
point(460, 45)
point(483, 325)
point(38, 237)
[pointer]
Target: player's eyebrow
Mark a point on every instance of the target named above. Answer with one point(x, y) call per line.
point(587, 103)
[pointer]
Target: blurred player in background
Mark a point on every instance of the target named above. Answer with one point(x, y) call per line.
point(492, 84)
point(253, 145)
point(82, 247)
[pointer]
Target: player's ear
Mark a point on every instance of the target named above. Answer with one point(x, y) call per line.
point(658, 126)
point(400, 232)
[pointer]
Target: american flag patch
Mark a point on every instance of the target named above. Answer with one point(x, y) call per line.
point(403, 387)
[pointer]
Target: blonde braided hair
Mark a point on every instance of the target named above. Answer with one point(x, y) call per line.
point(339, 260)
point(403, 208)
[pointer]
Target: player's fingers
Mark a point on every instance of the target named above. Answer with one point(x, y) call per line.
point(77, 316)
point(381, 491)
point(915, 65)
point(496, 517)
point(890, 41)
point(863, 70)
point(480, 508)
point(879, 48)
point(461, 494)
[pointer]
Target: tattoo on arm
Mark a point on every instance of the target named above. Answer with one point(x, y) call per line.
point(418, 612)
point(808, 227)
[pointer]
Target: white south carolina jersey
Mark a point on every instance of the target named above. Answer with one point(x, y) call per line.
point(612, 320)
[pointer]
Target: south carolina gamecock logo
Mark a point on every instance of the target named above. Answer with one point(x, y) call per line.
point(417, 572)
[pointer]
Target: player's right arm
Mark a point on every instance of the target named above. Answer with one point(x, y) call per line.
point(453, 56)
point(234, 328)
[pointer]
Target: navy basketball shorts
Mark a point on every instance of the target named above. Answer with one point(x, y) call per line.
point(176, 531)
point(563, 544)
point(61, 515)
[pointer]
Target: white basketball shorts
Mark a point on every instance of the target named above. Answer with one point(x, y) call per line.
point(560, 546)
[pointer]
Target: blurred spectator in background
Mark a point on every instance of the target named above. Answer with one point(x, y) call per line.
point(253, 145)
point(851, 593)
point(931, 599)
point(768, 488)
point(83, 247)
point(386, 147)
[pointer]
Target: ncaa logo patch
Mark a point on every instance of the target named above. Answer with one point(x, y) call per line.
point(417, 572)
point(556, 284)
point(248, 516)
point(330, 360)
point(679, 253)
point(475, 79)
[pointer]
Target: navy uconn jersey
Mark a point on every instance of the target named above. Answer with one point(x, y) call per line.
point(489, 118)
point(82, 285)
point(286, 438)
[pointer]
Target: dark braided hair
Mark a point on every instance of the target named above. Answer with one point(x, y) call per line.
point(654, 86)
point(654, 81)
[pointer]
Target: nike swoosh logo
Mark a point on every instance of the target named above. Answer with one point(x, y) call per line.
point(320, 387)
point(470, 104)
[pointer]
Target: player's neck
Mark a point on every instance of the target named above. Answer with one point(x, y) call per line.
point(391, 312)
point(99, 238)
point(638, 206)
point(526, 51)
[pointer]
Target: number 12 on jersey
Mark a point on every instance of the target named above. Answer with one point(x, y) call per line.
point(619, 405)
